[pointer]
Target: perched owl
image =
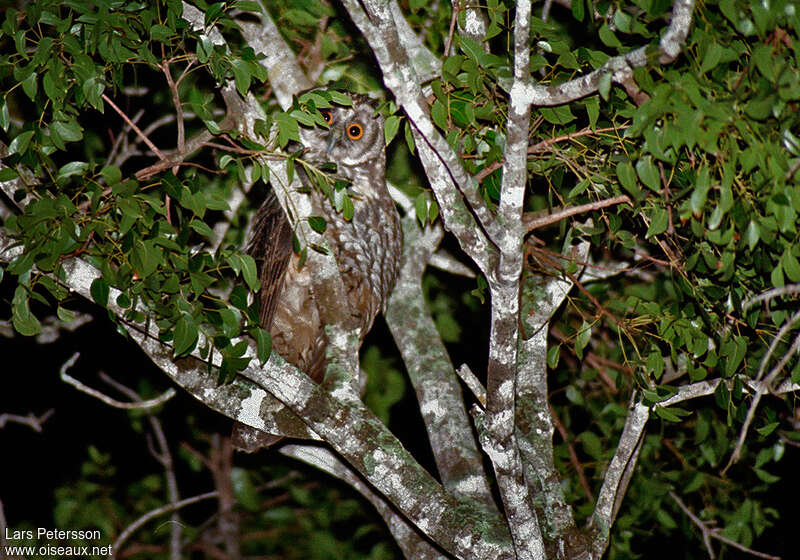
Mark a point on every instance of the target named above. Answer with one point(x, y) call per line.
point(367, 247)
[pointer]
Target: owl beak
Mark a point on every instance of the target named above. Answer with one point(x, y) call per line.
point(333, 138)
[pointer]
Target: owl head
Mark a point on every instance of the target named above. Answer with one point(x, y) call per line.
point(353, 140)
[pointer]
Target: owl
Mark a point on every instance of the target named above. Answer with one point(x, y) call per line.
point(367, 247)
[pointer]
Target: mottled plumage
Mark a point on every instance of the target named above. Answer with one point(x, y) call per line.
point(367, 248)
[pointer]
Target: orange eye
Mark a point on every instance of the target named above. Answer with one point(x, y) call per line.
point(355, 131)
point(327, 115)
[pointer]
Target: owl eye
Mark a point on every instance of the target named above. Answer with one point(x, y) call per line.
point(327, 115)
point(355, 131)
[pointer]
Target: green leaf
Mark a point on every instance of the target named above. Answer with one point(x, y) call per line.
point(752, 235)
point(317, 223)
point(23, 320)
point(655, 364)
point(578, 9)
point(575, 396)
point(185, 336)
point(765, 476)
point(648, 173)
point(66, 315)
point(733, 351)
point(29, 85)
point(592, 105)
point(241, 76)
point(764, 431)
point(339, 98)
point(697, 202)
point(249, 272)
point(111, 174)
point(421, 207)
point(665, 519)
point(557, 115)
point(791, 266)
point(20, 143)
point(671, 414)
point(409, 138)
point(608, 37)
point(263, 344)
point(160, 32)
point(390, 128)
point(439, 115)
point(433, 211)
point(70, 131)
point(99, 291)
point(244, 489)
point(287, 129)
point(5, 118)
point(347, 208)
point(712, 57)
point(553, 354)
point(604, 85)
point(658, 223)
point(591, 444)
point(72, 168)
point(627, 178)
point(582, 339)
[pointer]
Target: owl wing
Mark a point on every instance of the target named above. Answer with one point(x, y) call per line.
point(271, 247)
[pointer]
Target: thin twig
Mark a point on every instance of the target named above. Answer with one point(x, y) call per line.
point(456, 8)
point(168, 394)
point(133, 527)
point(711, 533)
point(543, 146)
point(164, 457)
point(121, 136)
point(764, 387)
point(543, 256)
point(771, 294)
point(34, 422)
point(147, 172)
point(531, 223)
point(573, 456)
point(135, 128)
point(176, 100)
point(472, 383)
point(443, 260)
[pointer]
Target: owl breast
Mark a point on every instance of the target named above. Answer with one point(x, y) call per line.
point(367, 250)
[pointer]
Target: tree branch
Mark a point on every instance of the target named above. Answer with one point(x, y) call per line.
point(618, 474)
point(442, 165)
point(363, 440)
point(133, 527)
point(150, 403)
point(165, 458)
point(410, 541)
point(619, 66)
point(709, 533)
point(32, 421)
point(431, 372)
point(499, 439)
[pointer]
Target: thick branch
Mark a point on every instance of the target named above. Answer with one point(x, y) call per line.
point(361, 439)
point(533, 420)
point(411, 542)
point(285, 75)
point(431, 372)
point(615, 482)
point(376, 21)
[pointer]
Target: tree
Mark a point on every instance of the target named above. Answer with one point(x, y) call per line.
point(636, 162)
